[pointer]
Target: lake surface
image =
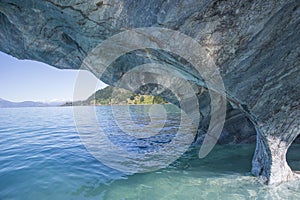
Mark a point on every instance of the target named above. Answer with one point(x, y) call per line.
point(42, 157)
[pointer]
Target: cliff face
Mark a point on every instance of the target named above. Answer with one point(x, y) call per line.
point(255, 45)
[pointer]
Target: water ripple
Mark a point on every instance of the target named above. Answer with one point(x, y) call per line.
point(41, 157)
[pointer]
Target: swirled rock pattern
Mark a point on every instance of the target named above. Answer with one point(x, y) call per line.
point(255, 44)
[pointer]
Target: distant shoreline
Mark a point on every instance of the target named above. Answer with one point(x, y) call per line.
point(114, 105)
point(117, 96)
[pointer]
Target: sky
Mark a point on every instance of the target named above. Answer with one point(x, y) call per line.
point(26, 80)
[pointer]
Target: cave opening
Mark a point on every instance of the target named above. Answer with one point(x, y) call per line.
point(235, 148)
point(293, 156)
point(238, 138)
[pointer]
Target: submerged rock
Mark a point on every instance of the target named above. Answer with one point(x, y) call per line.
point(255, 44)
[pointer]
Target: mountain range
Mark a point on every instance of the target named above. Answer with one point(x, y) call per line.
point(9, 104)
point(105, 96)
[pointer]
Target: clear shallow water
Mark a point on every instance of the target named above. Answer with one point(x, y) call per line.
point(41, 157)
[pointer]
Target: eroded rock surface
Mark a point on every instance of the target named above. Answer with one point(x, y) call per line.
point(255, 44)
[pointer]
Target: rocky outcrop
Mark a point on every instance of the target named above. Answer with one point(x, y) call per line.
point(255, 44)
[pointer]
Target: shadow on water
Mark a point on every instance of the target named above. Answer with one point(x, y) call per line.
point(224, 164)
point(223, 174)
point(222, 159)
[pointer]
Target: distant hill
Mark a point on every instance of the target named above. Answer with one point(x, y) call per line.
point(117, 96)
point(8, 104)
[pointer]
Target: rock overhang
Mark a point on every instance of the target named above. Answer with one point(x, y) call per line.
point(255, 45)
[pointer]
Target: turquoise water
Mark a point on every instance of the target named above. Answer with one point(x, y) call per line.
point(42, 157)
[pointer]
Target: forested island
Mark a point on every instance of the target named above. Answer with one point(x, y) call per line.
point(117, 96)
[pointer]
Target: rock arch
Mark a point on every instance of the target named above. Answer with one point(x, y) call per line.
point(255, 44)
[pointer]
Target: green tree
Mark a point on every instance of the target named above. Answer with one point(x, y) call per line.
point(158, 100)
point(142, 99)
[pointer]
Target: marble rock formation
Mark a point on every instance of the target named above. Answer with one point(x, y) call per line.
point(255, 44)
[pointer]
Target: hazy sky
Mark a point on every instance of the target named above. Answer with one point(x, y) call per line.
point(22, 80)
